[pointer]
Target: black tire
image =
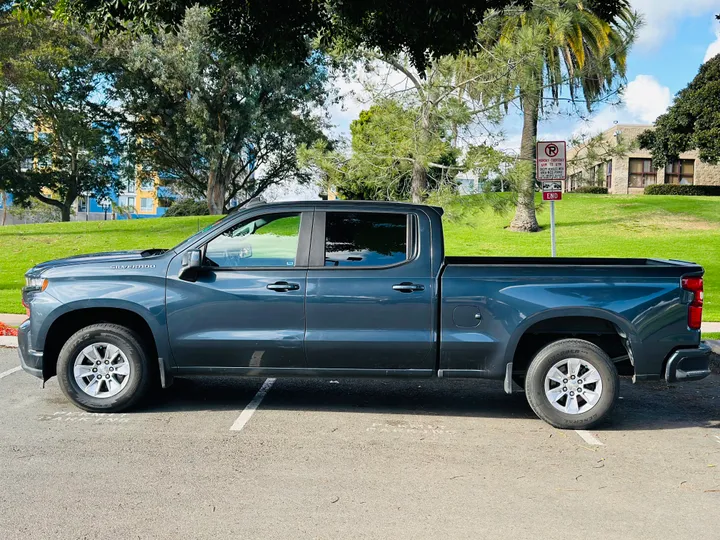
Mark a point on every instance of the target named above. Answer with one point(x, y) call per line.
point(560, 350)
point(130, 344)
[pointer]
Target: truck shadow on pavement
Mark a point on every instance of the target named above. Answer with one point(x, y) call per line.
point(642, 407)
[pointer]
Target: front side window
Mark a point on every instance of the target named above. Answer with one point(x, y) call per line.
point(270, 240)
point(365, 239)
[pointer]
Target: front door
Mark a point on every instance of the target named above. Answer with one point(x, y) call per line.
point(370, 298)
point(246, 309)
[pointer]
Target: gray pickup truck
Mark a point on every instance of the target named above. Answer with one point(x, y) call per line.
point(359, 289)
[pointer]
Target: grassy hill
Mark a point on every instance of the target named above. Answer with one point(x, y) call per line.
point(588, 225)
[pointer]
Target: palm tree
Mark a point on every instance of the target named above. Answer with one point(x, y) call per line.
point(577, 50)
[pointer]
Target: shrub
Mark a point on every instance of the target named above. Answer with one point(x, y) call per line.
point(6, 330)
point(187, 207)
point(677, 189)
point(595, 190)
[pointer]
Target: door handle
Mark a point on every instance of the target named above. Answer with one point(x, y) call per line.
point(408, 287)
point(283, 286)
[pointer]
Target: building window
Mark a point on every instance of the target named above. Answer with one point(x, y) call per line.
point(146, 204)
point(574, 181)
point(680, 172)
point(608, 174)
point(147, 184)
point(131, 186)
point(131, 202)
point(82, 204)
point(642, 173)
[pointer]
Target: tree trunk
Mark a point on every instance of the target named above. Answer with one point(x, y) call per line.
point(65, 212)
point(419, 182)
point(419, 172)
point(525, 220)
point(215, 193)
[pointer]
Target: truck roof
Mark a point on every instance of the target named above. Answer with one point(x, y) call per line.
point(344, 204)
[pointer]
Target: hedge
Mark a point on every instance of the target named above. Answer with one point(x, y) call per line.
point(187, 207)
point(595, 190)
point(677, 189)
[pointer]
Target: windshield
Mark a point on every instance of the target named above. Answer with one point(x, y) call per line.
point(187, 242)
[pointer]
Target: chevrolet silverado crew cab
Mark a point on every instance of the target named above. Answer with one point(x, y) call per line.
point(359, 289)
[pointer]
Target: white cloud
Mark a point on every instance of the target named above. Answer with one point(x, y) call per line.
point(644, 100)
point(662, 16)
point(714, 48)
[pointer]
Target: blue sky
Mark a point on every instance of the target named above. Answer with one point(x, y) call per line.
point(678, 36)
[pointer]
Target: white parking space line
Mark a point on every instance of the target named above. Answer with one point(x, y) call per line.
point(246, 415)
point(9, 372)
point(589, 437)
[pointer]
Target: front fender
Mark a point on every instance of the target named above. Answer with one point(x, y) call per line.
point(154, 316)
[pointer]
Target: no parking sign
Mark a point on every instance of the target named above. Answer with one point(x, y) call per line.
point(551, 163)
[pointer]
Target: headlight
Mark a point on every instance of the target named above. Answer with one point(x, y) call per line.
point(32, 282)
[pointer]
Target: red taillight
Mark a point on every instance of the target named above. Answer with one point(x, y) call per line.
point(695, 286)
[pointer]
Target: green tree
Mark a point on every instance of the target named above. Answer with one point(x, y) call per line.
point(381, 160)
point(219, 128)
point(60, 140)
point(580, 49)
point(281, 30)
point(692, 122)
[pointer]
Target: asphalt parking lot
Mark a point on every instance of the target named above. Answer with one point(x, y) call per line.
point(355, 459)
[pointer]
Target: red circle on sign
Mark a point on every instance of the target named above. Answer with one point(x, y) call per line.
point(551, 150)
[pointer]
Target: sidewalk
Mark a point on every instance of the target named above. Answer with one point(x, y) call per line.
point(12, 319)
point(710, 327)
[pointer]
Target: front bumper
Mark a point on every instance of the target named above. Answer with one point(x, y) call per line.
point(688, 364)
point(30, 360)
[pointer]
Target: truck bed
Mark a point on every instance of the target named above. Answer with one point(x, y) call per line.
point(569, 261)
point(491, 301)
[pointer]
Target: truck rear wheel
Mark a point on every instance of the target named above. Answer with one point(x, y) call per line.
point(103, 368)
point(572, 384)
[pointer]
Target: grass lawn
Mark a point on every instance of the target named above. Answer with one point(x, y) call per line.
point(587, 225)
point(710, 335)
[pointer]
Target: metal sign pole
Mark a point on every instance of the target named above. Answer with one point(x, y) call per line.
point(553, 251)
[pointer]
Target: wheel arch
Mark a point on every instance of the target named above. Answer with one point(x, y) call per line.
point(57, 329)
point(572, 322)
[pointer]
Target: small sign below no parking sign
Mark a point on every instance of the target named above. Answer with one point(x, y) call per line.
point(552, 191)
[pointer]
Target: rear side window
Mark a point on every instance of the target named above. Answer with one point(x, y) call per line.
point(365, 239)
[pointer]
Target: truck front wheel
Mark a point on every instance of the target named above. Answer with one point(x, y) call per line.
point(103, 368)
point(572, 384)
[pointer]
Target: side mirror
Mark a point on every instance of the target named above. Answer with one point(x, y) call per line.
point(190, 265)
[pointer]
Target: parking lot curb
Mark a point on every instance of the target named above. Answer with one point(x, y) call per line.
point(9, 341)
point(714, 345)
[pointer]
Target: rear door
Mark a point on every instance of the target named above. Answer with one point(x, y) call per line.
point(370, 296)
point(246, 311)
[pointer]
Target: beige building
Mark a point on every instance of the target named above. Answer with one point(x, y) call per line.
point(631, 172)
